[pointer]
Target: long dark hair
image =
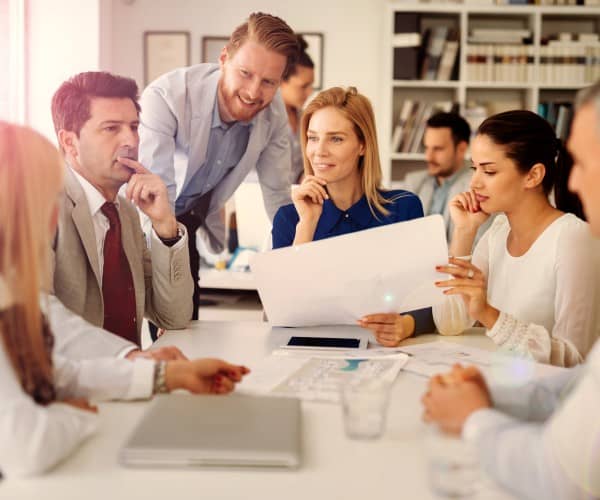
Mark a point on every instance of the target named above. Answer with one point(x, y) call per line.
point(529, 139)
point(303, 58)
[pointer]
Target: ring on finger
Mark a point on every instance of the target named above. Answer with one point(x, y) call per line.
point(470, 274)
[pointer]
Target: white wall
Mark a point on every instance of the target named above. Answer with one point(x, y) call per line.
point(69, 36)
point(63, 38)
point(352, 28)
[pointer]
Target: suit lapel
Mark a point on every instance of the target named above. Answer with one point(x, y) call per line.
point(82, 219)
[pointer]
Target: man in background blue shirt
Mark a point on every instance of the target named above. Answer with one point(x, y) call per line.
point(446, 141)
point(204, 128)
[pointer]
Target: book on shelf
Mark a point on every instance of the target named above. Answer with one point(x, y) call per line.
point(412, 121)
point(559, 115)
point(569, 61)
point(402, 119)
point(490, 35)
point(500, 63)
point(406, 40)
point(433, 52)
point(449, 57)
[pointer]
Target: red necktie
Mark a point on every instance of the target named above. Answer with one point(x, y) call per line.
point(117, 284)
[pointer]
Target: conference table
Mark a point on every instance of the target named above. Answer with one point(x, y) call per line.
point(333, 466)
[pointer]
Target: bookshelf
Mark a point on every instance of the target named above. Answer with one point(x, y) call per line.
point(534, 74)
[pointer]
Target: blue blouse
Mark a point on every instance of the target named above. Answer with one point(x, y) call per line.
point(335, 222)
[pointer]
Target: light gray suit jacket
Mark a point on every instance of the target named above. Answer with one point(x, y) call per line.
point(420, 183)
point(175, 126)
point(161, 276)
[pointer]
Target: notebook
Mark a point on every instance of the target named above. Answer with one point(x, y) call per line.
point(236, 430)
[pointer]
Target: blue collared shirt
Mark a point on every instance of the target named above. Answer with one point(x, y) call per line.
point(439, 198)
point(335, 222)
point(226, 146)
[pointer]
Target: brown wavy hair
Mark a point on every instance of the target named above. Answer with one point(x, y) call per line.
point(269, 31)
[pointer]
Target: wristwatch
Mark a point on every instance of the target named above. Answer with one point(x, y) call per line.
point(160, 382)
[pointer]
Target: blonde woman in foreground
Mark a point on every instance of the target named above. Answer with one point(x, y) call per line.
point(45, 411)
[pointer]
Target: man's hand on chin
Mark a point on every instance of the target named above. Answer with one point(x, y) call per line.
point(149, 193)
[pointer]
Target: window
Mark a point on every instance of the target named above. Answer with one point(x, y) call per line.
point(12, 60)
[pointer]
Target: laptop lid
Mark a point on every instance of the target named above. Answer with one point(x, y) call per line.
point(236, 430)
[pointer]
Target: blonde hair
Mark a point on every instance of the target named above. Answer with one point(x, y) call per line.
point(31, 178)
point(356, 108)
point(271, 32)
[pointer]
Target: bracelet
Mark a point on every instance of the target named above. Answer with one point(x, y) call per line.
point(160, 383)
point(466, 258)
point(171, 241)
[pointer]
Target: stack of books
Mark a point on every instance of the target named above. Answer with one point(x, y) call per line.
point(570, 59)
point(430, 54)
point(410, 127)
point(500, 55)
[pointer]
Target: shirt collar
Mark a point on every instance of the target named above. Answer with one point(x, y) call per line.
point(216, 117)
point(94, 198)
point(449, 180)
point(360, 213)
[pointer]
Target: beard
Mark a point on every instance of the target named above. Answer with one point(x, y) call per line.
point(235, 108)
point(442, 170)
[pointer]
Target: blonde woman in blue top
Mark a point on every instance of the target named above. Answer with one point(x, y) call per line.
point(341, 192)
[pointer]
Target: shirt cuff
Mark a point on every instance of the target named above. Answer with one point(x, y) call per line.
point(181, 233)
point(502, 329)
point(142, 379)
point(480, 423)
point(122, 354)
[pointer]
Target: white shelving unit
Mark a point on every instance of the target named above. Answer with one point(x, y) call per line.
point(541, 20)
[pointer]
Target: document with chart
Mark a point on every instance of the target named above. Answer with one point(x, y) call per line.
point(318, 377)
point(337, 280)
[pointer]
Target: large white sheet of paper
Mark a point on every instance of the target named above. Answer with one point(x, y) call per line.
point(337, 280)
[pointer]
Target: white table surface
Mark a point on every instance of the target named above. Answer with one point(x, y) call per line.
point(333, 466)
point(226, 279)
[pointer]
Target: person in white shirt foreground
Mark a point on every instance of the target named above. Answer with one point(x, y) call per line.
point(44, 398)
point(543, 440)
point(533, 282)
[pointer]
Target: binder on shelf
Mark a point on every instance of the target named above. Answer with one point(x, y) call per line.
point(449, 57)
point(433, 53)
point(405, 112)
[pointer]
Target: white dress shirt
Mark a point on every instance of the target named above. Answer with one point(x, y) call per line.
point(95, 201)
point(34, 437)
point(543, 440)
point(547, 297)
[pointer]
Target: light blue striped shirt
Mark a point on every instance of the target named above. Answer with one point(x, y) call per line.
point(227, 144)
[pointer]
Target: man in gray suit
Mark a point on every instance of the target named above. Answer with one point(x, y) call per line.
point(204, 128)
point(446, 141)
point(105, 269)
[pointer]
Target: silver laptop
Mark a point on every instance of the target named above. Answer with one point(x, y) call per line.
point(235, 430)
